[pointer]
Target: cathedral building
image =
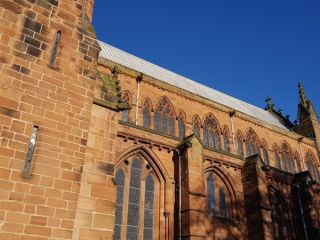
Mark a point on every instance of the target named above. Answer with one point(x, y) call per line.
point(96, 143)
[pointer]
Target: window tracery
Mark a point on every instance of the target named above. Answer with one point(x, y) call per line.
point(252, 143)
point(164, 117)
point(287, 158)
point(211, 133)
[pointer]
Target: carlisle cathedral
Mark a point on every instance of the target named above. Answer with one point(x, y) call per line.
point(97, 144)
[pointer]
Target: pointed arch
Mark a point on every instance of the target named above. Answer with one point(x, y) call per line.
point(145, 192)
point(252, 142)
point(196, 122)
point(226, 137)
point(211, 132)
point(164, 116)
point(126, 96)
point(265, 152)
point(311, 166)
point(240, 140)
point(230, 189)
point(146, 108)
point(181, 124)
point(287, 157)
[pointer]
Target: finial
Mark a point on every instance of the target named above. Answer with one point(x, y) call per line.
point(270, 105)
point(302, 95)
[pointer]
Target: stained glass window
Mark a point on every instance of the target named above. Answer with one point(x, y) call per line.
point(164, 117)
point(211, 134)
point(252, 143)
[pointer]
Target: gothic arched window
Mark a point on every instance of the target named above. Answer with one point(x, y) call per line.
point(196, 125)
point(181, 127)
point(146, 113)
point(164, 117)
point(211, 133)
point(311, 166)
point(240, 145)
point(226, 146)
point(252, 143)
point(55, 49)
point(125, 113)
point(136, 202)
point(287, 158)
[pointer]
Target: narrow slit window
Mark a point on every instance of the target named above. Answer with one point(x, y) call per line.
point(27, 164)
point(55, 49)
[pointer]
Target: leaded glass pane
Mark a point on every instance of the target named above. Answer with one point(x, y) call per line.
point(196, 131)
point(164, 124)
point(211, 140)
point(181, 129)
point(211, 195)
point(223, 203)
point(217, 144)
point(157, 121)
point(225, 143)
point(148, 209)
point(120, 183)
point(134, 200)
point(265, 156)
point(240, 146)
point(125, 115)
point(146, 118)
point(205, 137)
point(171, 126)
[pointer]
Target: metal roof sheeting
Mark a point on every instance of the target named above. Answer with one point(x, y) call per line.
point(125, 59)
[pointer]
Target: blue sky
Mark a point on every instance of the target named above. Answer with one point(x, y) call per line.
point(247, 49)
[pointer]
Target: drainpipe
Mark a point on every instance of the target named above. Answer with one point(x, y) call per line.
point(231, 114)
point(301, 152)
point(139, 79)
point(180, 190)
